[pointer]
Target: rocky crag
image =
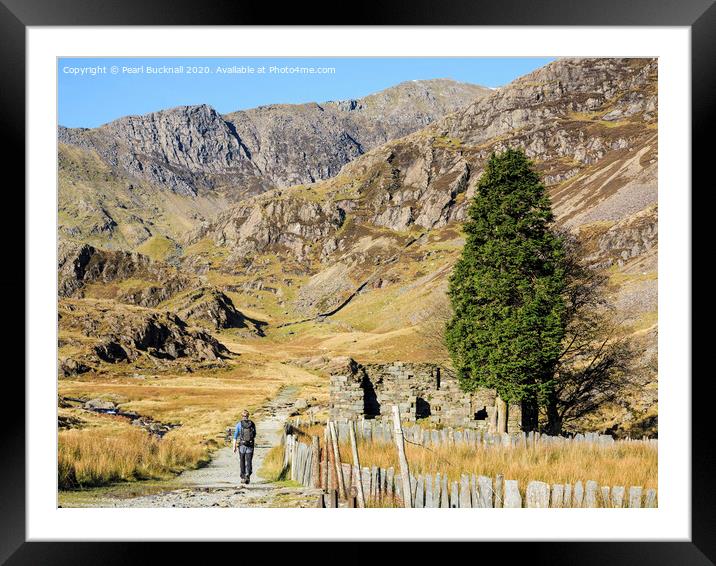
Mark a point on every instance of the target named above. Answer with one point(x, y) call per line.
point(103, 332)
point(202, 160)
point(589, 125)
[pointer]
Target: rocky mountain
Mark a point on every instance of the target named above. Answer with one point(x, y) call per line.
point(299, 144)
point(589, 125)
point(352, 258)
point(197, 160)
point(381, 236)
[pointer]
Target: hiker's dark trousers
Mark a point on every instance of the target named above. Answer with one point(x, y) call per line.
point(246, 454)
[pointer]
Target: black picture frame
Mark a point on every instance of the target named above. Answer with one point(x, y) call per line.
point(698, 15)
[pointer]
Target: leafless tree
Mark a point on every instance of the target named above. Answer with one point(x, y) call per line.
point(595, 364)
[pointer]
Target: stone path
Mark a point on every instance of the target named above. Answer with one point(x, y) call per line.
point(218, 484)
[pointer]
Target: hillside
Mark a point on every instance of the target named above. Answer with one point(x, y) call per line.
point(366, 254)
point(143, 179)
point(353, 258)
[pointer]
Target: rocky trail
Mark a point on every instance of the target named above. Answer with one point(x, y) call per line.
point(218, 483)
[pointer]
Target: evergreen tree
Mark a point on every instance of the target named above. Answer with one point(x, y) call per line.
point(507, 288)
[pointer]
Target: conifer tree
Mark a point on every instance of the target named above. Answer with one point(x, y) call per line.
point(506, 290)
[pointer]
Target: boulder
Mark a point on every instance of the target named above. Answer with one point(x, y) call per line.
point(100, 405)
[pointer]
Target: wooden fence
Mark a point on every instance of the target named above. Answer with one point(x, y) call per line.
point(309, 465)
point(378, 431)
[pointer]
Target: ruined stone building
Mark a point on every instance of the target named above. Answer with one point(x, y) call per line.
point(421, 391)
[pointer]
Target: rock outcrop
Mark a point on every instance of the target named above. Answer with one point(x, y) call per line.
point(563, 116)
point(313, 141)
point(194, 149)
point(211, 308)
point(117, 333)
point(276, 220)
point(187, 149)
point(82, 264)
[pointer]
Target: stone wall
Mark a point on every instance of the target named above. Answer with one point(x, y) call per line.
point(421, 391)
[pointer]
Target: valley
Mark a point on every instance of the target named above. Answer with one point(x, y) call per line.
point(209, 262)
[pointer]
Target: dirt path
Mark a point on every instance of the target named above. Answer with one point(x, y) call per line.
point(218, 484)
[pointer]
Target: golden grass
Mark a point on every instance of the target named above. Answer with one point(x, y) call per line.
point(203, 403)
point(621, 464)
point(92, 457)
point(158, 247)
point(272, 466)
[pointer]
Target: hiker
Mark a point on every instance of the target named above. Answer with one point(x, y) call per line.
point(244, 436)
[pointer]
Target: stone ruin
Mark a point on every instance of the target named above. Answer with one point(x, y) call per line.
point(421, 391)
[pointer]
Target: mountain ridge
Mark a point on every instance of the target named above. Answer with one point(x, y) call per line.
point(209, 160)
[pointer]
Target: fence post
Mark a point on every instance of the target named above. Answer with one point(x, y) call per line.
point(331, 498)
point(578, 494)
point(485, 485)
point(419, 493)
point(634, 497)
point(618, 496)
point(404, 470)
point(383, 482)
point(512, 499)
point(567, 501)
point(286, 452)
point(590, 494)
point(557, 495)
point(454, 497)
point(537, 494)
point(326, 461)
point(365, 480)
point(356, 464)
point(337, 460)
point(429, 491)
point(436, 491)
point(315, 462)
point(352, 497)
point(474, 492)
point(444, 493)
point(465, 495)
point(309, 467)
point(294, 454)
point(374, 483)
point(391, 481)
point(499, 495)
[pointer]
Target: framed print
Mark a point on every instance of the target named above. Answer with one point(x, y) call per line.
point(435, 265)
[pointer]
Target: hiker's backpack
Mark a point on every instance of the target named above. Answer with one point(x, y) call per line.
point(247, 433)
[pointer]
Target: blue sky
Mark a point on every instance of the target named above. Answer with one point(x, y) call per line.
point(90, 94)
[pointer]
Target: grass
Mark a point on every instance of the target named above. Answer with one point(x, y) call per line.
point(158, 247)
point(627, 465)
point(204, 403)
point(596, 118)
point(272, 467)
point(446, 142)
point(205, 247)
point(91, 457)
point(623, 464)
